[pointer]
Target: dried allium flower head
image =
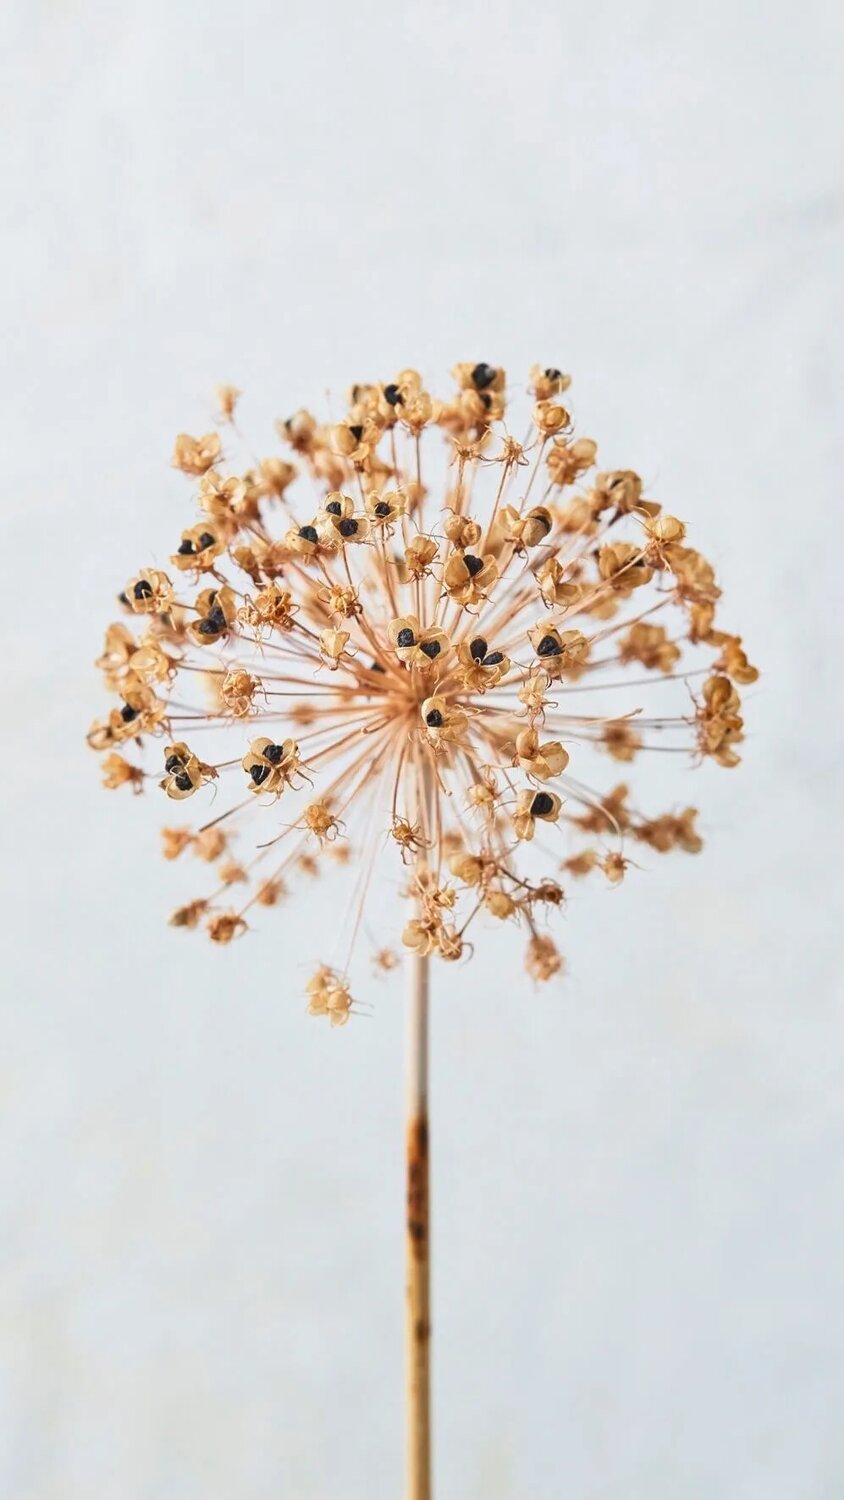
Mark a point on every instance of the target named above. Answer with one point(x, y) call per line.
point(428, 633)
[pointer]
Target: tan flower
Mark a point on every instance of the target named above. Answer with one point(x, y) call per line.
point(186, 773)
point(467, 578)
point(543, 960)
point(150, 592)
point(196, 455)
point(321, 822)
point(237, 692)
point(649, 644)
point(620, 740)
point(624, 566)
point(461, 531)
point(120, 772)
point(189, 915)
point(482, 667)
point(198, 550)
point(558, 651)
point(216, 611)
point(444, 723)
point(332, 644)
point(720, 726)
point(270, 766)
point(541, 761)
point(419, 555)
point(418, 647)
point(329, 995)
point(225, 926)
point(532, 805)
point(227, 399)
point(548, 382)
point(567, 460)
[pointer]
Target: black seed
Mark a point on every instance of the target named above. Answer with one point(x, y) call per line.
point(348, 527)
point(217, 619)
point(405, 637)
point(548, 646)
point(142, 589)
point(431, 649)
point(473, 564)
point(393, 396)
point(541, 804)
point(382, 509)
point(207, 539)
point(477, 648)
point(259, 774)
point(356, 431)
point(334, 508)
point(434, 718)
point(208, 627)
point(376, 666)
point(173, 763)
point(186, 547)
point(309, 533)
point(127, 713)
point(482, 376)
point(485, 400)
point(273, 754)
point(494, 658)
point(553, 374)
point(183, 781)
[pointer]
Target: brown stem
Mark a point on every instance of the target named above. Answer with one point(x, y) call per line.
point(418, 1257)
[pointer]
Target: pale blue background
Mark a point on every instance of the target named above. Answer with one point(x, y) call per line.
point(639, 1175)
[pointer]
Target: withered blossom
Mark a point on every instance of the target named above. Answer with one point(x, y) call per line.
point(429, 654)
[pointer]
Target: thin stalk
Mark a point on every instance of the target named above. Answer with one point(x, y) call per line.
point(418, 1254)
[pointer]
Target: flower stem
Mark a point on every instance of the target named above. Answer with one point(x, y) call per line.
point(418, 1259)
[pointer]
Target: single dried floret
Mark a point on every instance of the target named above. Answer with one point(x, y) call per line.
point(650, 645)
point(332, 645)
point(196, 455)
point(559, 651)
point(624, 566)
point(532, 805)
point(237, 692)
point(329, 995)
point(199, 548)
point(224, 926)
point(620, 740)
point(467, 578)
point(419, 556)
point(539, 760)
point(720, 726)
point(216, 612)
point(321, 822)
point(272, 608)
point(443, 723)
point(418, 647)
point(543, 959)
point(270, 766)
point(150, 592)
point(185, 772)
point(117, 771)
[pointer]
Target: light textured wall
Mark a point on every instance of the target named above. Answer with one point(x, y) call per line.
point(639, 1174)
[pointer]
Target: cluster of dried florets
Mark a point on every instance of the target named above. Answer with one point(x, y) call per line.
point(408, 652)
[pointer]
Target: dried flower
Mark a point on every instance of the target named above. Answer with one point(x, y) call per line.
point(458, 635)
point(196, 455)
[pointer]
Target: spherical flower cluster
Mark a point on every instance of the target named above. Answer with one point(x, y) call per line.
point(360, 637)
